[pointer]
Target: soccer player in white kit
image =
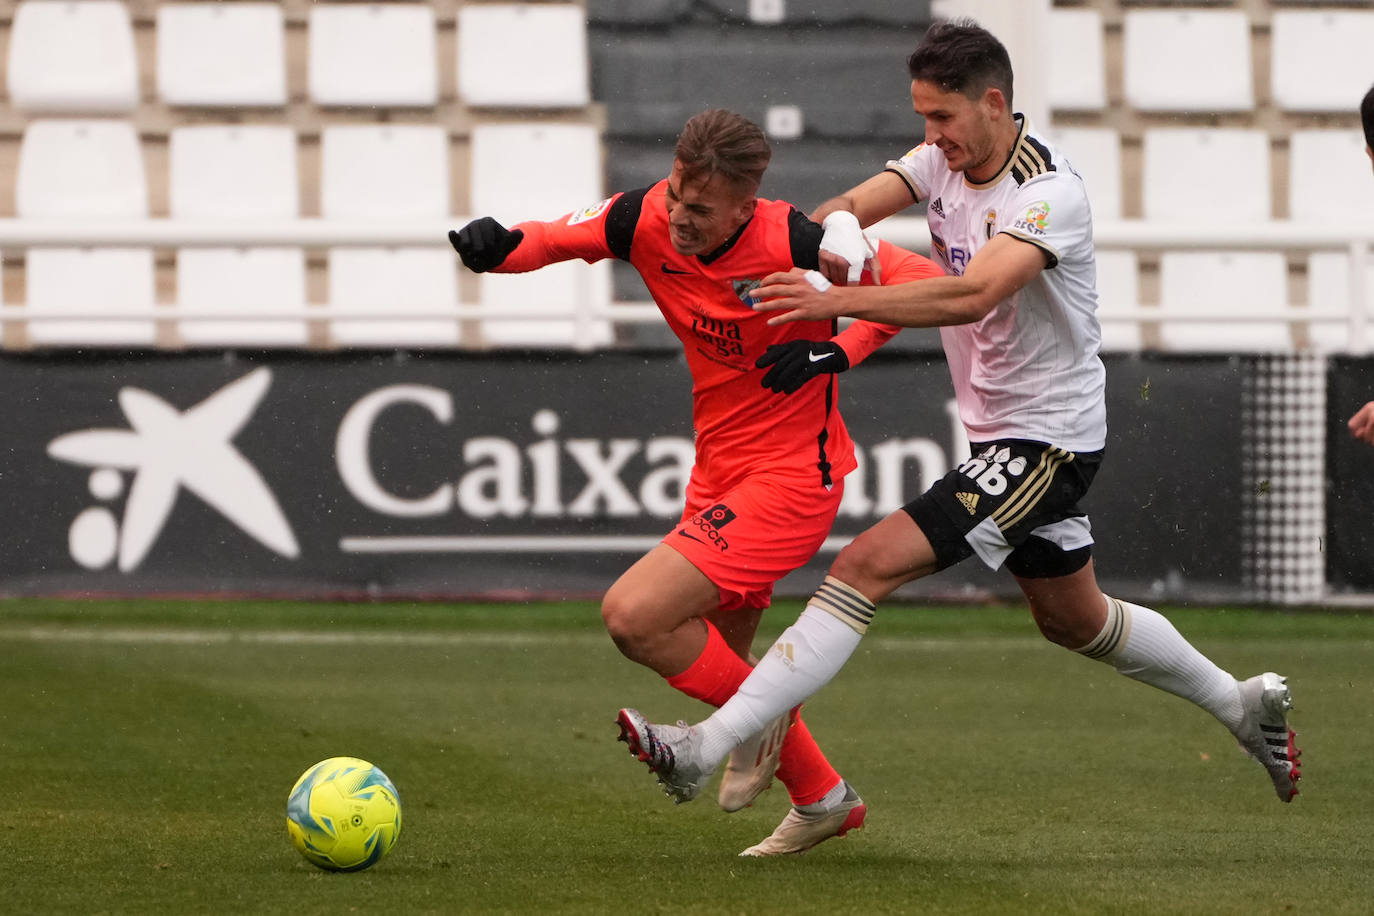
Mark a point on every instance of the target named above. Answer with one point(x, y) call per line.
point(1010, 224)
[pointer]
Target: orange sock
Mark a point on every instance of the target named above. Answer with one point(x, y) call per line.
point(715, 676)
point(803, 768)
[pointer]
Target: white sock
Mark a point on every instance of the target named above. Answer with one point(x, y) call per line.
point(1142, 644)
point(803, 660)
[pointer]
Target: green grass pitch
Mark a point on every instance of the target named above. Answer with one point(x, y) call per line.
point(147, 749)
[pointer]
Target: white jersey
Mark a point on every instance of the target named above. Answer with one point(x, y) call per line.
point(1029, 369)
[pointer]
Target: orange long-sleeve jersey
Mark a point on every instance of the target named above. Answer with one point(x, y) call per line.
point(741, 427)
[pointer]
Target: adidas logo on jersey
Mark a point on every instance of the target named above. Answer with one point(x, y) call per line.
point(970, 501)
point(937, 207)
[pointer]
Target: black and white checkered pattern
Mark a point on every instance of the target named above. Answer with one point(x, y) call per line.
point(1283, 516)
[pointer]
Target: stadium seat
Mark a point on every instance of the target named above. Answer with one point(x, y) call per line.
point(221, 54)
point(84, 171)
point(1328, 286)
point(1188, 60)
point(1077, 77)
point(1237, 281)
point(1328, 176)
point(636, 12)
point(914, 13)
point(1321, 59)
point(73, 57)
point(652, 81)
point(381, 173)
point(790, 12)
point(1095, 154)
point(511, 181)
point(373, 54)
point(523, 55)
point(229, 173)
point(1218, 174)
point(1118, 289)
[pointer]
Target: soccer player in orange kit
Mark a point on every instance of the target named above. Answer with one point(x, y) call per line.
point(769, 470)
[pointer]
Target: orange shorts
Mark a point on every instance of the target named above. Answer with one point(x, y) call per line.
point(747, 538)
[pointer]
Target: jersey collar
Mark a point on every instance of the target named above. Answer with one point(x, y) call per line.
point(726, 245)
point(1011, 157)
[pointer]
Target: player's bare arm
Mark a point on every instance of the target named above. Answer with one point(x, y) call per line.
point(1001, 268)
point(875, 199)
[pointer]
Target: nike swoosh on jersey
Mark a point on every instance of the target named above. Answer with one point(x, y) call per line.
point(668, 270)
point(817, 357)
point(684, 533)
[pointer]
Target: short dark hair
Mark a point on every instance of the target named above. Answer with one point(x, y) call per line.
point(959, 55)
point(721, 142)
point(1367, 116)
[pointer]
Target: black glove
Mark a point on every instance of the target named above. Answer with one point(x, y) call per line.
point(484, 243)
point(799, 361)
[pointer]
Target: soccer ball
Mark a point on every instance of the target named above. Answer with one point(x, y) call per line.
point(343, 814)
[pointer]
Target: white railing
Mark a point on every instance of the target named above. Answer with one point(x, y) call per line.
point(16, 235)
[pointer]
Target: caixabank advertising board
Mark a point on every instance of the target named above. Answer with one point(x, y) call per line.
point(453, 475)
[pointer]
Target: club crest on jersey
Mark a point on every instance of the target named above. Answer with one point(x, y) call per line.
point(1036, 219)
point(989, 223)
point(586, 213)
point(743, 288)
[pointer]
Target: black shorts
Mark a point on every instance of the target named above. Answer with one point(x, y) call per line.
point(1013, 502)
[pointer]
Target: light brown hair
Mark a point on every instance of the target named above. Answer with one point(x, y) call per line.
point(723, 143)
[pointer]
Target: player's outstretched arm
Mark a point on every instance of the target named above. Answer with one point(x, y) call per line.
point(1362, 424)
point(484, 243)
point(1003, 266)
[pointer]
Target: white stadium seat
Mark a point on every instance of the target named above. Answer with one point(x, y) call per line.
point(1328, 176)
point(1095, 154)
point(73, 57)
point(83, 171)
point(523, 55)
point(1218, 174)
point(386, 171)
point(379, 173)
point(511, 181)
point(221, 54)
point(1077, 69)
point(227, 173)
point(1328, 287)
point(1118, 289)
point(1322, 59)
point(1236, 281)
point(373, 54)
point(375, 279)
point(1188, 60)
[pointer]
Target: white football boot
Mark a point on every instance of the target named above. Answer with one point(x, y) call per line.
point(1264, 733)
point(671, 751)
point(802, 829)
point(752, 765)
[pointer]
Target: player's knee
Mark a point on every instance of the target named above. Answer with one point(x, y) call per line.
point(623, 623)
point(636, 631)
point(859, 567)
point(1064, 626)
point(1059, 631)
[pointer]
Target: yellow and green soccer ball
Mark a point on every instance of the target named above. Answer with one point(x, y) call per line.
point(343, 814)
